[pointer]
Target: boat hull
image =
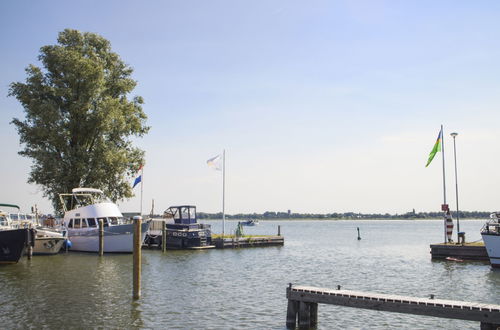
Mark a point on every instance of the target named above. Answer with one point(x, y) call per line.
point(48, 245)
point(13, 243)
point(492, 244)
point(117, 239)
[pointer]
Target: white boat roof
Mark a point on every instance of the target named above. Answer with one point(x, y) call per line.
point(86, 190)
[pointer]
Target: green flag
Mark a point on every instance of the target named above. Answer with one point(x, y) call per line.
point(436, 148)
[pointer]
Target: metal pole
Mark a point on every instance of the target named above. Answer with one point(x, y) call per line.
point(223, 192)
point(456, 181)
point(444, 180)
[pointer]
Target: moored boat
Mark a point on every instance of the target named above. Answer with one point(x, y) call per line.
point(83, 208)
point(491, 237)
point(182, 229)
point(13, 241)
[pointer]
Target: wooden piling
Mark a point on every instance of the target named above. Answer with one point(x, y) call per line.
point(291, 314)
point(314, 314)
point(164, 236)
point(101, 237)
point(30, 241)
point(304, 315)
point(279, 230)
point(136, 282)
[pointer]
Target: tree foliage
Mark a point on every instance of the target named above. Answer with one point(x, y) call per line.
point(78, 119)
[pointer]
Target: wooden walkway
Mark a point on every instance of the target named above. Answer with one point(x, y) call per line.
point(245, 242)
point(465, 251)
point(303, 306)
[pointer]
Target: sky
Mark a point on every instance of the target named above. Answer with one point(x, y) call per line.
point(320, 106)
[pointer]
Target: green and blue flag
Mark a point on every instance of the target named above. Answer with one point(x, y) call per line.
point(436, 148)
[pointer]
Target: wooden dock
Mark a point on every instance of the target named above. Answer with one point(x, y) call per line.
point(245, 242)
point(303, 306)
point(466, 251)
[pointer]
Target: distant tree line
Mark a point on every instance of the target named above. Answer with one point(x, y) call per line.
point(344, 216)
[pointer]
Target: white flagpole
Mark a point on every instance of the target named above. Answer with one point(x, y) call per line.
point(142, 180)
point(223, 191)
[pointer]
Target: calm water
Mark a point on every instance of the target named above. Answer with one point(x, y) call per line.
point(235, 289)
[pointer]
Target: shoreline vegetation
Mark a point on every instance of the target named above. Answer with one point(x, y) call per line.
point(343, 216)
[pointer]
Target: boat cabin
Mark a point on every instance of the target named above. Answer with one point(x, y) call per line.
point(184, 214)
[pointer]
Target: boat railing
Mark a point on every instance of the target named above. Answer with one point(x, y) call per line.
point(491, 227)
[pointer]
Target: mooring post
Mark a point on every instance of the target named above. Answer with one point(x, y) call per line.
point(164, 236)
point(314, 314)
point(304, 314)
point(101, 237)
point(136, 282)
point(30, 241)
point(279, 230)
point(292, 310)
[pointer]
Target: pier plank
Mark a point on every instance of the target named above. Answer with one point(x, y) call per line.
point(487, 314)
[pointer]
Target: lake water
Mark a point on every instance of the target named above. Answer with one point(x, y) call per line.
point(245, 288)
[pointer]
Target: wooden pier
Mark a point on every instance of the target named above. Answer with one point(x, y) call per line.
point(466, 251)
point(303, 306)
point(245, 242)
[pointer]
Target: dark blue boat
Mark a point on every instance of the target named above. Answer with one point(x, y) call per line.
point(183, 230)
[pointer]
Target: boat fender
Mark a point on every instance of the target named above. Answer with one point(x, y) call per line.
point(68, 244)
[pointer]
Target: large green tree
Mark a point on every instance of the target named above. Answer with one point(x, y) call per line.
point(79, 120)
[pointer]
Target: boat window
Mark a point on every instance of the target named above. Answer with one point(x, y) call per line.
point(113, 220)
point(185, 213)
point(22, 217)
point(14, 216)
point(77, 223)
point(91, 222)
point(3, 221)
point(84, 223)
point(70, 223)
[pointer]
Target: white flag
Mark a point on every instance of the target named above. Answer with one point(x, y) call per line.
point(215, 163)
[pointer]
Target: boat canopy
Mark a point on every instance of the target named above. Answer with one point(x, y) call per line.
point(184, 214)
point(80, 197)
point(10, 205)
point(86, 190)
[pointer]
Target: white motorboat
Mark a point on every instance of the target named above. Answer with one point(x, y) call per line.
point(491, 238)
point(83, 209)
point(48, 240)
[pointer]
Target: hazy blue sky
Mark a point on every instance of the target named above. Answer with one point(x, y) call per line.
point(322, 106)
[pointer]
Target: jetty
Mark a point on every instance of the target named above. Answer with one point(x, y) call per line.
point(303, 306)
point(465, 251)
point(248, 241)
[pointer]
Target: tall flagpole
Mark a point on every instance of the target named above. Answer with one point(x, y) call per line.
point(444, 180)
point(142, 180)
point(223, 191)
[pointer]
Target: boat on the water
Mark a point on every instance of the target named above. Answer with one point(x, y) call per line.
point(491, 238)
point(182, 229)
point(48, 240)
point(13, 241)
point(250, 222)
point(83, 208)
